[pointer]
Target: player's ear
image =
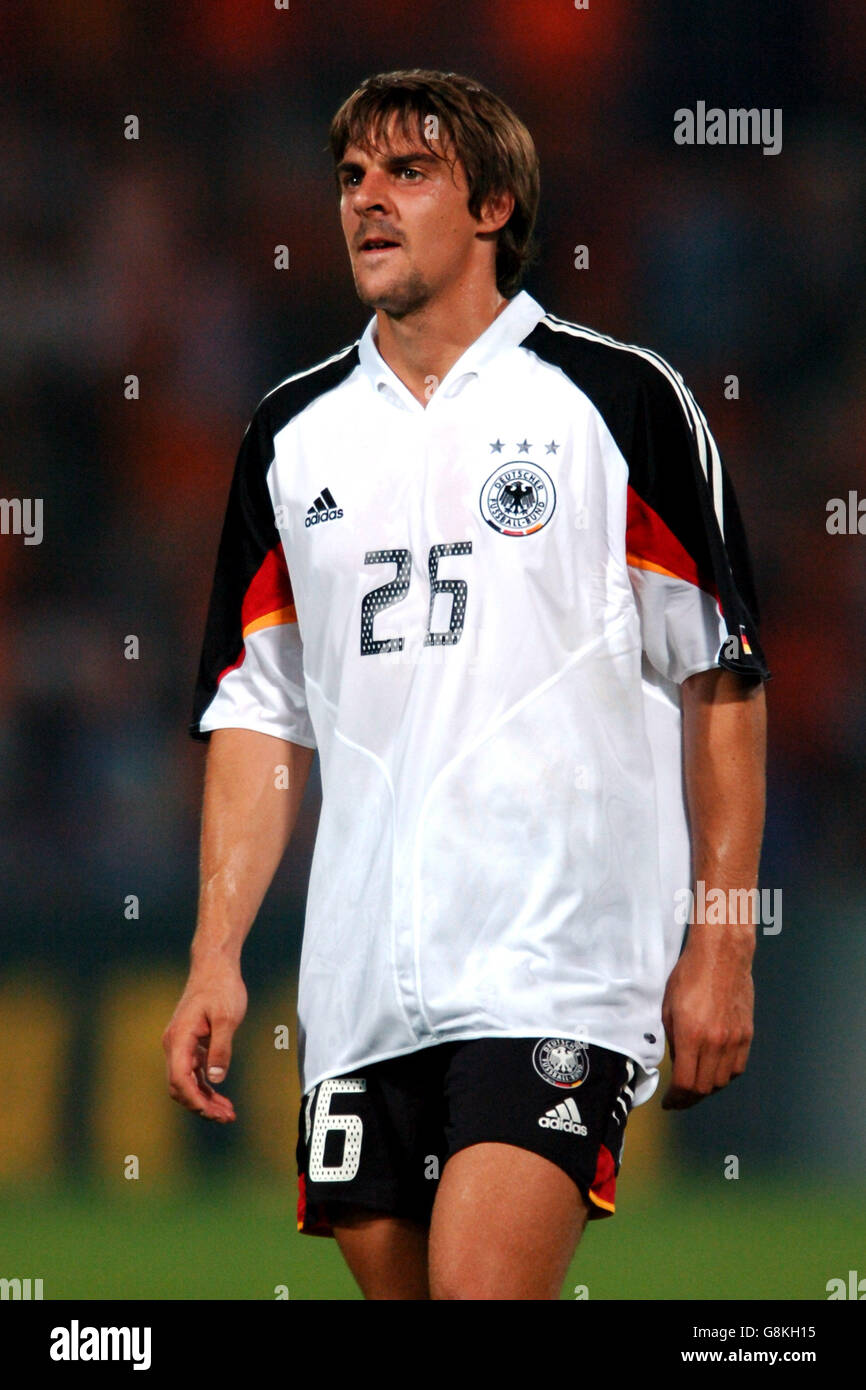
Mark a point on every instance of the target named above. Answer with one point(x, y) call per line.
point(495, 211)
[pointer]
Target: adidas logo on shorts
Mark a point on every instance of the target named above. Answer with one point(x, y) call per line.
point(564, 1116)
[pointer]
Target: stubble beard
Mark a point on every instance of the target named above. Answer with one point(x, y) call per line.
point(398, 300)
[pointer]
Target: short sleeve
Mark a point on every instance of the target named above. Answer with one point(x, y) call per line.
point(251, 673)
point(686, 548)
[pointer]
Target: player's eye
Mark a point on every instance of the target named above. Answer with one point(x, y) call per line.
point(408, 169)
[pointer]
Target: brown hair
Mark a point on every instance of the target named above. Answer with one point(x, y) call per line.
point(494, 146)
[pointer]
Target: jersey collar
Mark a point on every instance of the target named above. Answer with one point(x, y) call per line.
point(509, 328)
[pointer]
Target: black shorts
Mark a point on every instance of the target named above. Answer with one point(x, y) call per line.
point(380, 1136)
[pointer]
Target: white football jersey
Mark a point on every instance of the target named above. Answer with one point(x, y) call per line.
point(480, 611)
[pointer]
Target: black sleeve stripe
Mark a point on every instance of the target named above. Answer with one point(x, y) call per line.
point(673, 462)
point(249, 529)
point(292, 396)
point(697, 422)
point(331, 379)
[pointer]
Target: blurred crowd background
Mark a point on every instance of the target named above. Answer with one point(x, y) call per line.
point(155, 257)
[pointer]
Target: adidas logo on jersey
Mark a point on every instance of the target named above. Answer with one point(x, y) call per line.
point(324, 508)
point(565, 1117)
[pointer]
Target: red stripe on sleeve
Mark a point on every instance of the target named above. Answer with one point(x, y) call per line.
point(649, 542)
point(269, 589)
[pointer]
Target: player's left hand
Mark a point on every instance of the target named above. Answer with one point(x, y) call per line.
point(708, 1013)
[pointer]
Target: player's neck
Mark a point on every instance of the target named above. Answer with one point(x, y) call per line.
point(421, 348)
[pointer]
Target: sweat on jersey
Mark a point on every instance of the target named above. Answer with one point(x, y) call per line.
point(480, 612)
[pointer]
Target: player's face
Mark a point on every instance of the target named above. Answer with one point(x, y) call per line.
point(406, 222)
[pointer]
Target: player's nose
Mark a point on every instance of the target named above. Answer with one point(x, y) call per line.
point(372, 192)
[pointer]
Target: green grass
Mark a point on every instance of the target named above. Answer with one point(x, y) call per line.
point(772, 1239)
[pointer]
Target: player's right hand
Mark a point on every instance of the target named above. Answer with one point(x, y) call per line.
point(198, 1041)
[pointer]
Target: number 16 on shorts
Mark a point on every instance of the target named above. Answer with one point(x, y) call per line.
point(351, 1126)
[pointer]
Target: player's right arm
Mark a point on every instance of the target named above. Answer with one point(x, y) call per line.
point(250, 809)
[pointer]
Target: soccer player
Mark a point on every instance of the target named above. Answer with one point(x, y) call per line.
point(489, 563)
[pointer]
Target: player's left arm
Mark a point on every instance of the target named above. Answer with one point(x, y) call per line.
point(709, 1001)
